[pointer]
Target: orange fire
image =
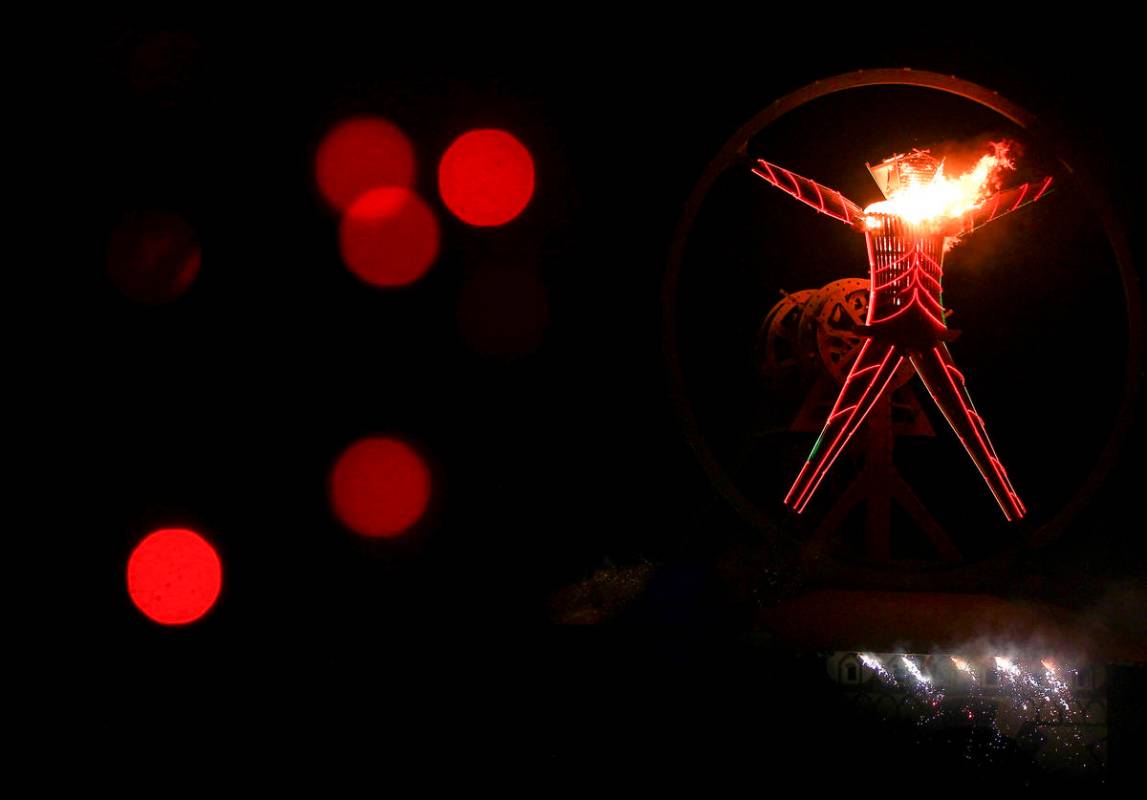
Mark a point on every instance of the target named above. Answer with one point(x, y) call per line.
point(946, 197)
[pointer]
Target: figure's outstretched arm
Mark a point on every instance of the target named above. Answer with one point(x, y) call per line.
point(1005, 202)
point(823, 199)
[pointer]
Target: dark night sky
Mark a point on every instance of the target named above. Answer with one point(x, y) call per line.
point(224, 410)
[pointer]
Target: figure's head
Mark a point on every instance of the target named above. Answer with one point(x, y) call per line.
point(905, 170)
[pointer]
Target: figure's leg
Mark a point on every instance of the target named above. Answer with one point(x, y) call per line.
point(873, 369)
point(946, 385)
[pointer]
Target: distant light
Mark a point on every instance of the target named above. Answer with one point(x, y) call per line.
point(380, 487)
point(486, 177)
point(503, 311)
point(174, 576)
point(153, 256)
point(360, 154)
point(389, 237)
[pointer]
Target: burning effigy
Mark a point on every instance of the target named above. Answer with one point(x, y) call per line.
point(924, 213)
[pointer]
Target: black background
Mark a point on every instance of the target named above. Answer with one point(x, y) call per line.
point(224, 410)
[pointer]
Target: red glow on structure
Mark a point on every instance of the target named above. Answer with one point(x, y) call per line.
point(174, 576)
point(906, 316)
point(380, 487)
point(153, 256)
point(968, 425)
point(389, 237)
point(486, 177)
point(851, 428)
point(823, 199)
point(360, 154)
point(1006, 202)
point(855, 400)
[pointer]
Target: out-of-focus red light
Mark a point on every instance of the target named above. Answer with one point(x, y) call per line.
point(379, 487)
point(486, 177)
point(360, 154)
point(389, 237)
point(174, 576)
point(503, 311)
point(153, 256)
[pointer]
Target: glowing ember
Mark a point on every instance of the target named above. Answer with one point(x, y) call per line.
point(918, 200)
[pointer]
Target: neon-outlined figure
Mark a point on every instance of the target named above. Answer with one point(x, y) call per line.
point(906, 316)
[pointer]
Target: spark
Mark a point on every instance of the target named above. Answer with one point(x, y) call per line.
point(1058, 686)
point(1035, 691)
point(872, 662)
point(963, 666)
point(1006, 665)
point(914, 670)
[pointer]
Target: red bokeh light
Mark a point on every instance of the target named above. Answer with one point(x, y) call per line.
point(153, 256)
point(360, 154)
point(389, 237)
point(380, 487)
point(174, 576)
point(486, 177)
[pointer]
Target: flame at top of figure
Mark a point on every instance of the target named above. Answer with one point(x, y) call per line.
point(918, 191)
